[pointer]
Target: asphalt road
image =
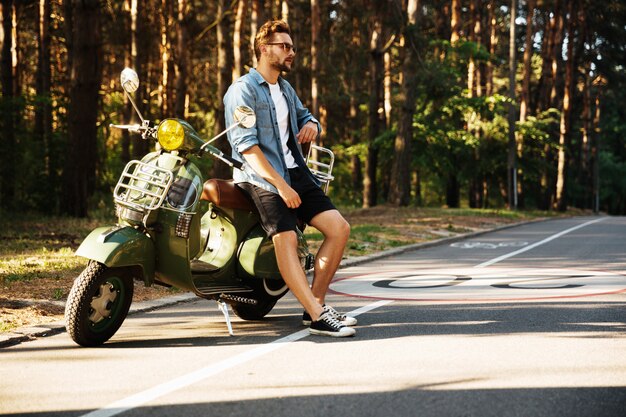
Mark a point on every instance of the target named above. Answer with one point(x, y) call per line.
point(527, 321)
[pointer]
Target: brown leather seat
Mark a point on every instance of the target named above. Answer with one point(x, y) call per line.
point(224, 193)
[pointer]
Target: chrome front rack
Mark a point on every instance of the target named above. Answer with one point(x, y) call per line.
point(321, 170)
point(142, 187)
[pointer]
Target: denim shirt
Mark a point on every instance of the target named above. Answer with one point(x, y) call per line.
point(253, 91)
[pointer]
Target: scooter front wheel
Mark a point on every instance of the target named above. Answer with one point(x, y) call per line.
point(98, 303)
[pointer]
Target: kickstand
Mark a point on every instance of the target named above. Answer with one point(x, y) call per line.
point(224, 309)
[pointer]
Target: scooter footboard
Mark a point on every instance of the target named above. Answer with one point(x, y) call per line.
point(116, 246)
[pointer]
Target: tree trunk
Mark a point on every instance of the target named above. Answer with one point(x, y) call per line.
point(376, 111)
point(315, 51)
point(595, 148)
point(512, 149)
point(442, 26)
point(355, 123)
point(583, 65)
point(527, 70)
point(453, 191)
point(565, 124)
point(455, 21)
point(86, 74)
point(525, 93)
point(129, 61)
point(493, 43)
point(387, 85)
point(7, 129)
point(471, 65)
point(475, 90)
point(224, 65)
point(140, 50)
point(257, 18)
point(180, 105)
point(237, 36)
point(165, 48)
point(551, 57)
point(400, 194)
point(43, 112)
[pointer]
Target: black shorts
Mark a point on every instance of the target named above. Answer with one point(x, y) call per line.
point(275, 216)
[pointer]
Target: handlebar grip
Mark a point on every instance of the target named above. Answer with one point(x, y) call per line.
point(219, 154)
point(235, 163)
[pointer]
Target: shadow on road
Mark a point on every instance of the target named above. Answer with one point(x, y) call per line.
point(414, 401)
point(567, 319)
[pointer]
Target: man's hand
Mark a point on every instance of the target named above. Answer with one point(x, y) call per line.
point(308, 133)
point(289, 196)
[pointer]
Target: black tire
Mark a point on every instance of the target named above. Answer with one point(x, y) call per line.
point(98, 303)
point(253, 311)
point(266, 294)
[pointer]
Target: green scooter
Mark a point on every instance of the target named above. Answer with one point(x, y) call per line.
point(162, 236)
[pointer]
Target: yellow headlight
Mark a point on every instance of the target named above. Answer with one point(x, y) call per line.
point(171, 134)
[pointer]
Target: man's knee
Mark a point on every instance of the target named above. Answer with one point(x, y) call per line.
point(332, 224)
point(343, 228)
point(286, 238)
point(340, 226)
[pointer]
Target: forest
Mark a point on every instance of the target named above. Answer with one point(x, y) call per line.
point(460, 103)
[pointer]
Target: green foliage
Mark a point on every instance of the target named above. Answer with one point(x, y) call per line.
point(457, 140)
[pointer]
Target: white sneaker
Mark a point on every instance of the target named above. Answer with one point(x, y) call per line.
point(342, 318)
point(327, 325)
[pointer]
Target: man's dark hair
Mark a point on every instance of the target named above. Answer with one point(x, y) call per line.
point(264, 35)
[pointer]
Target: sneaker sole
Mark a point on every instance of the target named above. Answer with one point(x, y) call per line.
point(308, 323)
point(334, 334)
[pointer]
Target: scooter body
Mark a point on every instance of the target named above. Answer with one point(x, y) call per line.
point(167, 235)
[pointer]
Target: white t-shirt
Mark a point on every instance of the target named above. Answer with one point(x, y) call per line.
point(282, 114)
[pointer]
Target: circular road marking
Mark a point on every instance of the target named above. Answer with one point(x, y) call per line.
point(480, 284)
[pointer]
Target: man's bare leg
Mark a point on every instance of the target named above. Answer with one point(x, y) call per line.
point(336, 231)
point(286, 246)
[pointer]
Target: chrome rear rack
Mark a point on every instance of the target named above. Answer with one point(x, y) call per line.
point(321, 170)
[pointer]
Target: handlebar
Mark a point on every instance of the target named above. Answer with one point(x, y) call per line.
point(222, 156)
point(130, 128)
point(231, 161)
point(145, 129)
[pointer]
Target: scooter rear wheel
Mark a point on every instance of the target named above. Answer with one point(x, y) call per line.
point(253, 311)
point(98, 303)
point(266, 294)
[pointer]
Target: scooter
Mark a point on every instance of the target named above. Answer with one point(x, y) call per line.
point(164, 237)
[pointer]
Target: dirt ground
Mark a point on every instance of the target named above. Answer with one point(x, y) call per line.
point(41, 299)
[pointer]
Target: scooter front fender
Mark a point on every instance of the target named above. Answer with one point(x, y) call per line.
point(116, 246)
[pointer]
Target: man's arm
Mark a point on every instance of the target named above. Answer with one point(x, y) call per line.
point(257, 160)
point(239, 94)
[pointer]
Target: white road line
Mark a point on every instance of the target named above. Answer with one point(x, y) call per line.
point(534, 245)
point(148, 395)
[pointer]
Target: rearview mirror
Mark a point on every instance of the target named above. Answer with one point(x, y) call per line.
point(244, 116)
point(130, 80)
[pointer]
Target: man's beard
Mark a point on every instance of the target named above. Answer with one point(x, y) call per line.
point(281, 66)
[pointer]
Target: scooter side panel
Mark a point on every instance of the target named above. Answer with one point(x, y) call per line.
point(257, 256)
point(172, 264)
point(120, 246)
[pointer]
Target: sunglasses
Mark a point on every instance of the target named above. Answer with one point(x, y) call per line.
point(286, 46)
